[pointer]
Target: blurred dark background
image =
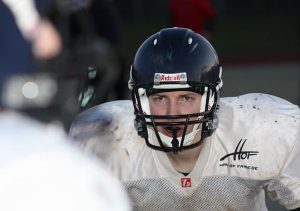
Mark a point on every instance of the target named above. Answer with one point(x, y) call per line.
point(258, 41)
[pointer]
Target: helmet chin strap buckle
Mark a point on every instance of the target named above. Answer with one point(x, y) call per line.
point(175, 142)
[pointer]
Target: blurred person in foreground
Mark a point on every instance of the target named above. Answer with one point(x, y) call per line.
point(89, 49)
point(179, 146)
point(40, 168)
point(25, 34)
point(29, 39)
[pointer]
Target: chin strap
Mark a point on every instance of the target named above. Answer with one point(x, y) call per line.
point(175, 142)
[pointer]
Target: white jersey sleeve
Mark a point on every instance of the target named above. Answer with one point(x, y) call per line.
point(288, 179)
point(273, 127)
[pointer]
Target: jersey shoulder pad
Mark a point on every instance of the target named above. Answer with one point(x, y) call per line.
point(262, 103)
point(105, 128)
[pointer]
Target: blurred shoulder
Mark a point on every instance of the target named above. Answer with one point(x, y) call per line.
point(106, 116)
point(18, 125)
point(106, 129)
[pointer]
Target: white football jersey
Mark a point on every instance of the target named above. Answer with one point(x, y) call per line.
point(256, 148)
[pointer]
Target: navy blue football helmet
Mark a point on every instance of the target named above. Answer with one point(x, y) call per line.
point(171, 60)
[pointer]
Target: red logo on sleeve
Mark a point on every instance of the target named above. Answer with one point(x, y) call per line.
point(186, 182)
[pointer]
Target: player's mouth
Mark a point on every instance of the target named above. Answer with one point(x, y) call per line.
point(169, 131)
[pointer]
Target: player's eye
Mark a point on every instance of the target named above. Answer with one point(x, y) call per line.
point(158, 98)
point(187, 98)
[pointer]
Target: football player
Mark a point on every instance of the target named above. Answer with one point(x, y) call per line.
point(193, 150)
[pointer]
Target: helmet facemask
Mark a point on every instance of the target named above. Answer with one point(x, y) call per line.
point(192, 128)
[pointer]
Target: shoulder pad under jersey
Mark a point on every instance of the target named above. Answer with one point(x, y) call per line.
point(263, 103)
point(105, 129)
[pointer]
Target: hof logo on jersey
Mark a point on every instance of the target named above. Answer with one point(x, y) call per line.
point(186, 182)
point(239, 155)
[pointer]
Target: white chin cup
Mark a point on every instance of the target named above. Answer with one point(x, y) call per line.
point(167, 141)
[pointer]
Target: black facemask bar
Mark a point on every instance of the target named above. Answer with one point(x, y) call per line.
point(176, 146)
point(143, 120)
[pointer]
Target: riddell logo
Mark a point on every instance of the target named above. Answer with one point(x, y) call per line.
point(186, 182)
point(170, 77)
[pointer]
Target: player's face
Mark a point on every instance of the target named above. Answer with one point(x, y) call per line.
point(174, 103)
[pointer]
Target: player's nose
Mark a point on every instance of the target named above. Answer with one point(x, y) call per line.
point(173, 108)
